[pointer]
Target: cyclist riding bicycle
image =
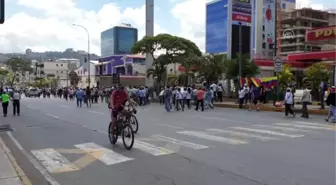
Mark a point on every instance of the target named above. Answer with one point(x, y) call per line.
point(117, 102)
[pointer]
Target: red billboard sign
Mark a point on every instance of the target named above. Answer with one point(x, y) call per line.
point(325, 33)
point(241, 17)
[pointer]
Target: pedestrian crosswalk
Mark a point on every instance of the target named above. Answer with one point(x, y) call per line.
point(55, 161)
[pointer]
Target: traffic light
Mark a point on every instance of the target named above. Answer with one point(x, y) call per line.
point(2, 11)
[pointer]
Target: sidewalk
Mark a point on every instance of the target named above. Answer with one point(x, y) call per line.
point(312, 109)
point(10, 172)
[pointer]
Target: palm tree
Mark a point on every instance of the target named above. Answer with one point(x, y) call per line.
point(212, 67)
point(157, 72)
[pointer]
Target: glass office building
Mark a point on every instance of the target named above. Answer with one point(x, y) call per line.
point(217, 27)
point(118, 41)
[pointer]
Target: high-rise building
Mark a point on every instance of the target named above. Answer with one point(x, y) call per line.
point(223, 19)
point(258, 19)
point(118, 40)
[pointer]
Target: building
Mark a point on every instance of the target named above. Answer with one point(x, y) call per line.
point(295, 24)
point(118, 40)
point(82, 73)
point(258, 20)
point(58, 69)
point(131, 68)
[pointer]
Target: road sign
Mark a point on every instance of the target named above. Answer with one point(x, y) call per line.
point(278, 64)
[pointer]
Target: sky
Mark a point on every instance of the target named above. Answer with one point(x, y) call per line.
point(46, 25)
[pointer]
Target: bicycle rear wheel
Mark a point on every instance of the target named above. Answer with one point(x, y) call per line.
point(127, 132)
point(112, 137)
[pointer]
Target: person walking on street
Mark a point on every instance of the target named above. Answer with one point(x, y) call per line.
point(16, 103)
point(331, 101)
point(305, 101)
point(200, 99)
point(288, 102)
point(4, 101)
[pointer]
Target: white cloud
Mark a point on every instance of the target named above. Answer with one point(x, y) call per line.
point(191, 16)
point(53, 30)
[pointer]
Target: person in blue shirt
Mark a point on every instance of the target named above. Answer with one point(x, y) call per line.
point(79, 97)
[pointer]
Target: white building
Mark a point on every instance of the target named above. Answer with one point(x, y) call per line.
point(58, 69)
point(83, 75)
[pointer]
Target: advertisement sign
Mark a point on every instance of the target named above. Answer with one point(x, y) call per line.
point(269, 20)
point(325, 33)
point(241, 11)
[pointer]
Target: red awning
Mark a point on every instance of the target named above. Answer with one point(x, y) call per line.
point(319, 55)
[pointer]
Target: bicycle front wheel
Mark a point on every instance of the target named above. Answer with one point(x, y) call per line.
point(128, 134)
point(133, 121)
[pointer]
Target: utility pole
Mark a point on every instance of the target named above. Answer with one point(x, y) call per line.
point(240, 52)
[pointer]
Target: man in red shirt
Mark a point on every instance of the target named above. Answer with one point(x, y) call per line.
point(117, 101)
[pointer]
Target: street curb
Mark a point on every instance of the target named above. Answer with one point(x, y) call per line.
point(272, 109)
point(24, 179)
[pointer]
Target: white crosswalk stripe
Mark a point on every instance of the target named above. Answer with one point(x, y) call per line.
point(206, 136)
point(268, 132)
point(242, 134)
point(149, 148)
point(304, 126)
point(53, 160)
point(109, 157)
point(315, 124)
point(282, 128)
point(180, 142)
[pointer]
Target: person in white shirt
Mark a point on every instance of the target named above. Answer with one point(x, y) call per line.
point(179, 100)
point(214, 87)
point(288, 101)
point(242, 93)
point(16, 103)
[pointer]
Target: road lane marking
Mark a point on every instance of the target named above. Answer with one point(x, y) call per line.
point(108, 157)
point(150, 148)
point(52, 116)
point(16, 166)
point(180, 142)
point(65, 106)
point(168, 126)
point(317, 124)
point(29, 106)
point(204, 135)
point(242, 134)
point(219, 119)
point(282, 128)
point(53, 161)
point(95, 112)
point(304, 126)
point(263, 131)
point(33, 161)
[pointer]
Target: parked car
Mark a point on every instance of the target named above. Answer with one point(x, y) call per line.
point(33, 92)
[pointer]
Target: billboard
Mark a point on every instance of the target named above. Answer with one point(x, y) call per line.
point(216, 37)
point(324, 33)
point(269, 21)
point(241, 11)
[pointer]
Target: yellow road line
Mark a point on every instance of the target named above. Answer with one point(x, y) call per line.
point(17, 168)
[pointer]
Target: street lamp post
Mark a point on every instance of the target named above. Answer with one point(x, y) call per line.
point(88, 57)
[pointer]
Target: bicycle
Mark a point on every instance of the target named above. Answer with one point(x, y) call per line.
point(132, 118)
point(123, 128)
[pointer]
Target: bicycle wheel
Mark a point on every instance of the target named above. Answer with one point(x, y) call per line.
point(134, 123)
point(127, 132)
point(112, 137)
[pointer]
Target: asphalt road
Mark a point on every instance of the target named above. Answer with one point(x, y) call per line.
point(217, 147)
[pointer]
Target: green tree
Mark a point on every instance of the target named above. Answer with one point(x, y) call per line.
point(249, 68)
point(18, 66)
point(174, 50)
point(3, 71)
point(190, 64)
point(315, 74)
point(211, 67)
point(285, 76)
